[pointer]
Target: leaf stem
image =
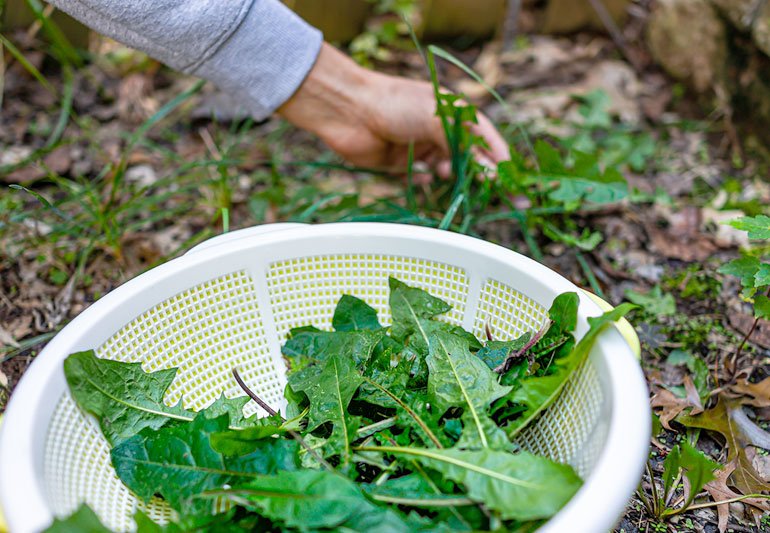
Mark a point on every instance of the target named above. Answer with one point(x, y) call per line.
point(272, 412)
point(409, 411)
point(712, 504)
point(654, 489)
point(253, 395)
point(385, 423)
point(502, 367)
point(423, 502)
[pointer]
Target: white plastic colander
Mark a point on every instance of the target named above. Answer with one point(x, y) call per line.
point(231, 301)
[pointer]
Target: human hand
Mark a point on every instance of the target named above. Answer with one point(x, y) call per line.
point(371, 118)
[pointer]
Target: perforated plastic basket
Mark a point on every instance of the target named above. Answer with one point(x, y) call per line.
point(231, 301)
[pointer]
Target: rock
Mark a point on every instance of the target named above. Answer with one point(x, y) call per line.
point(761, 30)
point(143, 175)
point(687, 38)
point(740, 12)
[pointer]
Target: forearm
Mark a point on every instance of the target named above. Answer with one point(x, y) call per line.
point(257, 49)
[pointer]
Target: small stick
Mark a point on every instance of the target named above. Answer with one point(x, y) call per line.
point(253, 395)
point(502, 367)
point(273, 412)
point(510, 24)
point(615, 33)
point(488, 331)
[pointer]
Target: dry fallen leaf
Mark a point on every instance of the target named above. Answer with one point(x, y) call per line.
point(728, 418)
point(677, 234)
point(6, 339)
point(756, 394)
point(720, 491)
point(672, 405)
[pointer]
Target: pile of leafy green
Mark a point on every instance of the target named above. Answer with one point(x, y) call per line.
point(409, 427)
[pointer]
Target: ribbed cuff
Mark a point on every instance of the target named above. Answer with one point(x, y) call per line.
point(265, 59)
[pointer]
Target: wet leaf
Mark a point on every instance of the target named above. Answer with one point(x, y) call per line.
point(125, 399)
point(315, 345)
point(352, 314)
point(459, 379)
point(536, 393)
point(178, 462)
point(329, 393)
point(310, 500)
point(84, 520)
point(408, 307)
point(521, 486)
point(494, 353)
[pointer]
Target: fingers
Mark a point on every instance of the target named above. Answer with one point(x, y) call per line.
point(498, 148)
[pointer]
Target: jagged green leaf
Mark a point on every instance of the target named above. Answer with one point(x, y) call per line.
point(494, 353)
point(312, 500)
point(762, 306)
point(762, 276)
point(247, 440)
point(316, 345)
point(536, 393)
point(744, 268)
point(696, 466)
point(125, 399)
point(83, 520)
point(352, 314)
point(329, 393)
point(518, 486)
point(178, 462)
point(460, 379)
point(408, 305)
point(758, 226)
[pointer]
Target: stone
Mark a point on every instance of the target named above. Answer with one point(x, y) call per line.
point(688, 39)
point(740, 12)
point(761, 30)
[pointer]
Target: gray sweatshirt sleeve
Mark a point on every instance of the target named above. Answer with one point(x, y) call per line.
point(258, 50)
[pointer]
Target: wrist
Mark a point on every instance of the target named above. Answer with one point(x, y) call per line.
point(334, 95)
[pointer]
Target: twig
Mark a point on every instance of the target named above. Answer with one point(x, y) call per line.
point(488, 331)
point(737, 354)
point(510, 24)
point(253, 395)
point(272, 412)
point(615, 33)
point(502, 367)
point(731, 500)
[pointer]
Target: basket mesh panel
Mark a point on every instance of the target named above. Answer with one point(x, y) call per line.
point(305, 290)
point(568, 431)
point(205, 331)
point(507, 312)
point(77, 468)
